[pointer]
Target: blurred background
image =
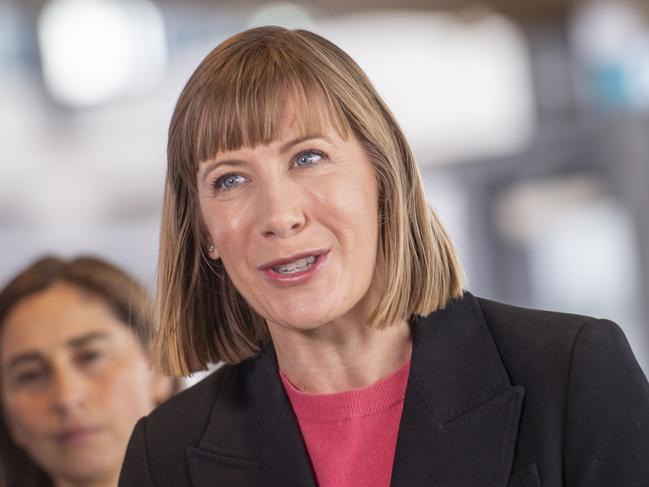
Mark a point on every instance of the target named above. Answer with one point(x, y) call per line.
point(530, 121)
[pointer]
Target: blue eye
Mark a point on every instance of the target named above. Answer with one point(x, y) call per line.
point(309, 158)
point(229, 181)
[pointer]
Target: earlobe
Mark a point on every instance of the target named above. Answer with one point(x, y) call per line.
point(212, 252)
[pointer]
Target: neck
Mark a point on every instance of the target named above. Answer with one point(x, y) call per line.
point(340, 356)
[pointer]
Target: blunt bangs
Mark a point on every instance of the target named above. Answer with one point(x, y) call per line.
point(244, 103)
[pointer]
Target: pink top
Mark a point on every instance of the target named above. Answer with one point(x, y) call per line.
point(351, 436)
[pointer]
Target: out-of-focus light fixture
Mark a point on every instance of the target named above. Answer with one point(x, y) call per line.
point(611, 41)
point(95, 50)
point(461, 89)
point(9, 36)
point(285, 14)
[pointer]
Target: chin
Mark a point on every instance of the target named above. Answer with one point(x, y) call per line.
point(300, 324)
point(90, 465)
point(308, 321)
point(89, 473)
point(308, 314)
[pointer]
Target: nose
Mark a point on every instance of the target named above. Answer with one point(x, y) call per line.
point(281, 210)
point(68, 391)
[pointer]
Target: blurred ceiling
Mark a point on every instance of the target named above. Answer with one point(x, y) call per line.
point(524, 10)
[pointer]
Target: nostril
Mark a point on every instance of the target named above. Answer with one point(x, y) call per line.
point(283, 225)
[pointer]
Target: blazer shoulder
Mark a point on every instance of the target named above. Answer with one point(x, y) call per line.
point(585, 392)
point(534, 343)
point(502, 315)
point(532, 329)
point(158, 444)
point(180, 421)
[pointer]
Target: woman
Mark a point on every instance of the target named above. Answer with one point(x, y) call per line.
point(297, 247)
point(74, 372)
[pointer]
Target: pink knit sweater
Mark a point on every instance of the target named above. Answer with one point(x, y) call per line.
point(351, 436)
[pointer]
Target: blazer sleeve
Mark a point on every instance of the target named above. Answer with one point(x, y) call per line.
point(607, 412)
point(136, 470)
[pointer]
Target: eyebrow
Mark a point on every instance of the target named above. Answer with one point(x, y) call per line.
point(283, 149)
point(76, 342)
point(85, 339)
point(214, 164)
point(299, 140)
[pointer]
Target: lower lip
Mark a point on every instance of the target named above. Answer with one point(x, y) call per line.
point(76, 437)
point(296, 278)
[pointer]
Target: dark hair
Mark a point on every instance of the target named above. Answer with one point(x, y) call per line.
point(123, 295)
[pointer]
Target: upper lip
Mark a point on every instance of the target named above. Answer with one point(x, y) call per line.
point(285, 260)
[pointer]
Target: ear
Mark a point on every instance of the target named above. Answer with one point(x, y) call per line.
point(205, 239)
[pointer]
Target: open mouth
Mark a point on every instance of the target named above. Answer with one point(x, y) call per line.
point(295, 269)
point(296, 266)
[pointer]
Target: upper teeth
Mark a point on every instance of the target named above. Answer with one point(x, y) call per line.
point(295, 266)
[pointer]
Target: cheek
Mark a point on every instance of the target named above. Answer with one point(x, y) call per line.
point(226, 226)
point(24, 418)
point(351, 207)
point(129, 392)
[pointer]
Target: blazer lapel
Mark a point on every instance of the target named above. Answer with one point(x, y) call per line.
point(458, 427)
point(460, 416)
point(252, 437)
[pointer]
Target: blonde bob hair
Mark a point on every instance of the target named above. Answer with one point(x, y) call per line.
point(234, 99)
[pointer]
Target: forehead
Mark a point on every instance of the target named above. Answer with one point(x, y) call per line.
point(51, 318)
point(295, 114)
point(292, 130)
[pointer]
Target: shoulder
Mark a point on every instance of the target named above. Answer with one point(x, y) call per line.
point(160, 443)
point(180, 422)
point(532, 336)
point(583, 383)
point(550, 349)
point(528, 324)
point(566, 354)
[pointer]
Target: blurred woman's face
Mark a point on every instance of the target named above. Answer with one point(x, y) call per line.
point(74, 382)
point(295, 223)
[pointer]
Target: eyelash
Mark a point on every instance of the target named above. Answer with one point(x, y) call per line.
point(218, 187)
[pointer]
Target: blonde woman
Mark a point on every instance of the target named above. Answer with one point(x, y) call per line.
point(297, 248)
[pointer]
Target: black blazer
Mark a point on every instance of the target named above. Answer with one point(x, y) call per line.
point(498, 396)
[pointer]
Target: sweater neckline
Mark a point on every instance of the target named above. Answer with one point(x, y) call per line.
point(364, 401)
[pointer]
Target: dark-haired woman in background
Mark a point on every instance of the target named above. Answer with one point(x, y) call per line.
point(297, 247)
point(74, 372)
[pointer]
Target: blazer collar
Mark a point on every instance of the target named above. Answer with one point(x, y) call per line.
point(460, 415)
point(252, 437)
point(455, 365)
point(458, 426)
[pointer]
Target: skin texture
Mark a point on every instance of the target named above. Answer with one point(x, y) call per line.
point(302, 193)
point(74, 382)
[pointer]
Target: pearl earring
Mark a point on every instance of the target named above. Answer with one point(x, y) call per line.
point(210, 248)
